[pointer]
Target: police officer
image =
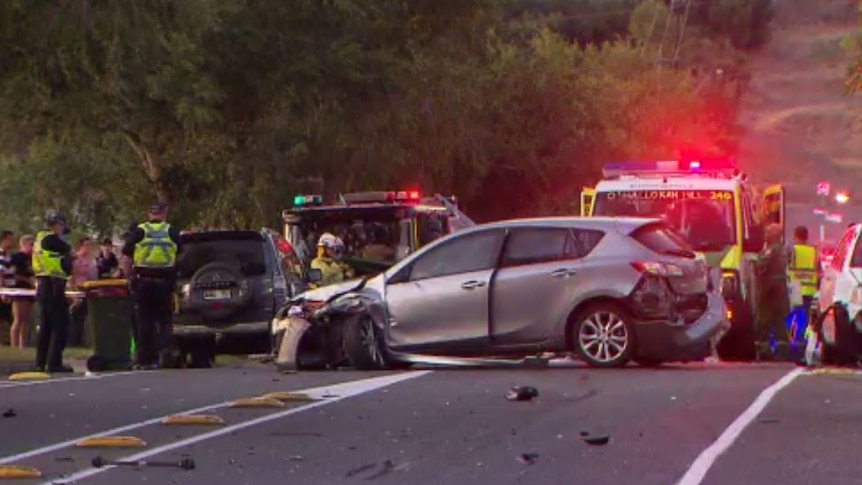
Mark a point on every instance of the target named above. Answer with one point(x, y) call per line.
point(773, 300)
point(52, 265)
point(328, 261)
point(153, 247)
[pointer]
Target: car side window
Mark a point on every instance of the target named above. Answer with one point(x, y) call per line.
point(470, 252)
point(538, 245)
point(585, 240)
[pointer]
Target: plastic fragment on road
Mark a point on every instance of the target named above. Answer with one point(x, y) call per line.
point(16, 472)
point(522, 393)
point(287, 396)
point(200, 419)
point(9, 413)
point(30, 376)
point(112, 442)
point(257, 402)
point(528, 458)
point(597, 440)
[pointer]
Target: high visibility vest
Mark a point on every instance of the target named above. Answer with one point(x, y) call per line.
point(331, 271)
point(156, 249)
point(45, 262)
point(803, 268)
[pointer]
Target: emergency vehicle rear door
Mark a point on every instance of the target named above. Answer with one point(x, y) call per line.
point(588, 194)
point(773, 205)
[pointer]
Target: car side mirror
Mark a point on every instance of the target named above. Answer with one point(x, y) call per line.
point(315, 275)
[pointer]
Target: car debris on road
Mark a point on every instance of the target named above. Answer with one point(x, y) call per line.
point(185, 463)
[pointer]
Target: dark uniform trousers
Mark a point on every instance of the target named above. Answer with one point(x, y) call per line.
point(154, 315)
point(53, 321)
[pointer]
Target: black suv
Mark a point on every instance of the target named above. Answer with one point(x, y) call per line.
point(230, 284)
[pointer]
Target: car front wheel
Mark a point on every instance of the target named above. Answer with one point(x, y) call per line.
point(604, 336)
point(363, 344)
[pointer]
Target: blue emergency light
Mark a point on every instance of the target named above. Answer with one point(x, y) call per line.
point(304, 200)
point(676, 167)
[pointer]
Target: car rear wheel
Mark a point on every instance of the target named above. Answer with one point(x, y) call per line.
point(363, 344)
point(604, 336)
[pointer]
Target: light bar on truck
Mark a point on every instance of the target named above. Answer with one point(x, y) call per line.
point(306, 200)
point(381, 197)
point(703, 166)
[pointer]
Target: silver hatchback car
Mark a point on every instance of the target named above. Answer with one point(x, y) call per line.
point(609, 289)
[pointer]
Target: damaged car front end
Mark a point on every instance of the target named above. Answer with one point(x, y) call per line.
point(335, 326)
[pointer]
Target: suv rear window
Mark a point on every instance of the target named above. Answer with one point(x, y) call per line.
point(661, 239)
point(243, 251)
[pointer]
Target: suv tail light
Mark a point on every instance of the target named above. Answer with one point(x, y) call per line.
point(657, 268)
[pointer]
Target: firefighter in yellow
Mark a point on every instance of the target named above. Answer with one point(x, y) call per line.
point(804, 269)
point(52, 265)
point(328, 261)
point(153, 247)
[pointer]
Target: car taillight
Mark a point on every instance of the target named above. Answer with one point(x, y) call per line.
point(657, 268)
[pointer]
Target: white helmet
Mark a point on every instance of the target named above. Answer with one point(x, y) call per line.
point(331, 241)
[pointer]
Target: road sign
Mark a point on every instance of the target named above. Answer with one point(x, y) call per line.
point(834, 217)
point(823, 188)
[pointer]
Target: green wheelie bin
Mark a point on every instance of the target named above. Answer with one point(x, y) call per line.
point(109, 314)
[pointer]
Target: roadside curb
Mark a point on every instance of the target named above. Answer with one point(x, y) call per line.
point(9, 368)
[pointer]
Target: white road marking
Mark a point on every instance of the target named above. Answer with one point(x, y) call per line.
point(95, 377)
point(122, 429)
point(338, 392)
point(697, 471)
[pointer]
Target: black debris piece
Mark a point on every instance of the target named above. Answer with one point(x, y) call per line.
point(528, 458)
point(522, 393)
point(9, 413)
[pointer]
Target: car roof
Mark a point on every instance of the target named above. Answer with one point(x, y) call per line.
point(623, 224)
point(222, 235)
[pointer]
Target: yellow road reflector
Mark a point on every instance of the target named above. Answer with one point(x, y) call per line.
point(194, 419)
point(30, 376)
point(287, 396)
point(13, 472)
point(112, 442)
point(257, 402)
point(833, 371)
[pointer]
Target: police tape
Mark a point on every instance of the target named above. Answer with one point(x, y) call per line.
point(23, 292)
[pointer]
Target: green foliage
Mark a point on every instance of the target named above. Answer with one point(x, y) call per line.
point(227, 108)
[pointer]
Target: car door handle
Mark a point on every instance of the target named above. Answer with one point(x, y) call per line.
point(563, 273)
point(469, 285)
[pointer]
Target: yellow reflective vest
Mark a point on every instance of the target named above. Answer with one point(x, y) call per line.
point(803, 268)
point(45, 262)
point(331, 271)
point(156, 249)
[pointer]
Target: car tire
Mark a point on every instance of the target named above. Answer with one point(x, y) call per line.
point(599, 325)
point(364, 345)
point(843, 352)
point(738, 344)
point(201, 358)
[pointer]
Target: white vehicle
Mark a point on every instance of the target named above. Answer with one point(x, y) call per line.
point(710, 203)
point(840, 302)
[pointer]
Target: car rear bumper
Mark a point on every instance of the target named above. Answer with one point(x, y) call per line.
point(246, 328)
point(670, 341)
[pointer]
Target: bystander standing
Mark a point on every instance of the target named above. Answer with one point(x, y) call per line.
point(7, 244)
point(107, 262)
point(84, 269)
point(22, 306)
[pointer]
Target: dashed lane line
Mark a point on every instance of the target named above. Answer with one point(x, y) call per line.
point(341, 392)
point(149, 422)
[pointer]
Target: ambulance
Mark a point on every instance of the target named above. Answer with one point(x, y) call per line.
point(714, 206)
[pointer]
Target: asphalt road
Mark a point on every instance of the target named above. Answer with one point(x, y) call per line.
point(693, 423)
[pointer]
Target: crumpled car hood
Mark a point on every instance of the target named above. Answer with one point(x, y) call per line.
point(326, 292)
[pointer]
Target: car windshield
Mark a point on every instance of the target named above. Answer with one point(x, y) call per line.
point(245, 254)
point(706, 218)
point(374, 239)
